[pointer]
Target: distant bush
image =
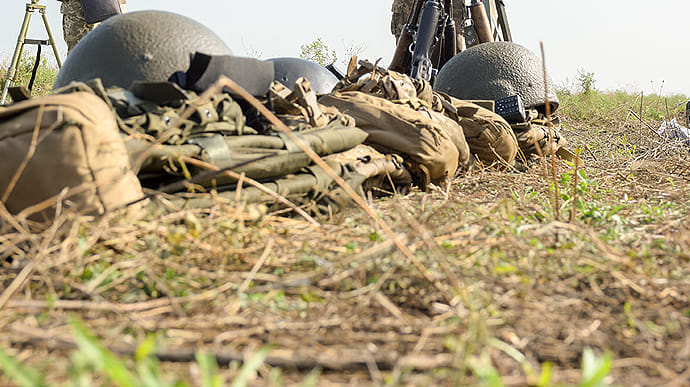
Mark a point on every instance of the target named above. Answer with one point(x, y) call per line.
point(317, 51)
point(586, 81)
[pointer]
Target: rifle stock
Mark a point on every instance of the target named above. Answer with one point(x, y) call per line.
point(402, 58)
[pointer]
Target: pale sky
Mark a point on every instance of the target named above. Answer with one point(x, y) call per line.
point(630, 45)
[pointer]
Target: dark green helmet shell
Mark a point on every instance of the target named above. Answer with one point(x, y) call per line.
point(497, 70)
point(138, 46)
point(289, 69)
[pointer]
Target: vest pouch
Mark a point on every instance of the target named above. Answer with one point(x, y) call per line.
point(57, 142)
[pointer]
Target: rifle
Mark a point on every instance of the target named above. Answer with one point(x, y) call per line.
point(479, 27)
point(480, 21)
point(428, 40)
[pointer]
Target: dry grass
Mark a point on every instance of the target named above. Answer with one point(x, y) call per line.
point(507, 285)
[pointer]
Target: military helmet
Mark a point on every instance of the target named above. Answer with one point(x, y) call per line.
point(496, 70)
point(288, 70)
point(138, 46)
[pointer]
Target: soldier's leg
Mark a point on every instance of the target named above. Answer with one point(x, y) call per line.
point(74, 27)
point(401, 10)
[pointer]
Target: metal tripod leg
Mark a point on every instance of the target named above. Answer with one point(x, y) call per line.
point(503, 21)
point(21, 40)
point(51, 38)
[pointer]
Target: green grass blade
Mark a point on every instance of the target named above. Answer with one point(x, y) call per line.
point(80, 370)
point(545, 376)
point(595, 368)
point(146, 349)
point(147, 370)
point(101, 358)
point(251, 366)
point(209, 370)
point(486, 374)
point(20, 374)
point(312, 379)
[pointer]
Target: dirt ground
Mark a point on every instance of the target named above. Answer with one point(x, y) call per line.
point(503, 275)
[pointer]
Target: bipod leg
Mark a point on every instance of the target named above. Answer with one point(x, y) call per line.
point(51, 38)
point(12, 70)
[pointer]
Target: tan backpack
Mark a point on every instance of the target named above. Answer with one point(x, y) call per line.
point(431, 143)
point(401, 116)
point(63, 148)
point(490, 137)
point(434, 132)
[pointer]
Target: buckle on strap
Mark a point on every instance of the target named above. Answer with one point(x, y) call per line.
point(214, 148)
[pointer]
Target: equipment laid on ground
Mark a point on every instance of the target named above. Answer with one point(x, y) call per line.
point(22, 41)
point(80, 147)
point(288, 70)
point(511, 109)
point(497, 70)
point(139, 46)
point(253, 74)
point(192, 123)
point(437, 135)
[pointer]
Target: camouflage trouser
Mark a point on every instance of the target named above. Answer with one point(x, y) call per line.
point(74, 27)
point(401, 11)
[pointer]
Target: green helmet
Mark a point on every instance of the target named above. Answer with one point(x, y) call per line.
point(494, 71)
point(289, 69)
point(138, 46)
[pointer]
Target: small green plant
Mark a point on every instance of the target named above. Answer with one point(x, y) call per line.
point(92, 358)
point(595, 368)
point(317, 51)
point(249, 369)
point(586, 81)
point(45, 74)
point(16, 371)
point(487, 374)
